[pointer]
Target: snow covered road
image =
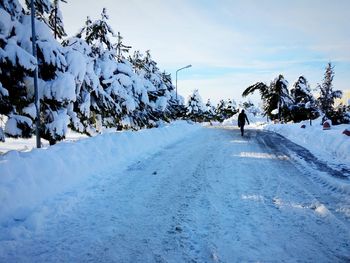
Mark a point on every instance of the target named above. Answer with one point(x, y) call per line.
point(212, 197)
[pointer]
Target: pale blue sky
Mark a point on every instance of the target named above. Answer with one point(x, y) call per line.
point(230, 43)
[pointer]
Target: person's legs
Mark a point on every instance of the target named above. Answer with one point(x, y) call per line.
point(242, 130)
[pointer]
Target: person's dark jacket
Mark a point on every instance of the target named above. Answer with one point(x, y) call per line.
point(242, 117)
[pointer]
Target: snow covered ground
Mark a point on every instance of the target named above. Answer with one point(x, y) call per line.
point(25, 145)
point(181, 193)
point(29, 178)
point(329, 145)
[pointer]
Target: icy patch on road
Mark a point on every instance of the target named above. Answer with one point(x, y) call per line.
point(257, 198)
point(260, 155)
point(319, 208)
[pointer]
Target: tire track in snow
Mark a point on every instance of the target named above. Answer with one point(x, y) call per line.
point(306, 191)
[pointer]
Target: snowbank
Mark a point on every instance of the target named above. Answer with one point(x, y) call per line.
point(29, 178)
point(329, 145)
point(255, 121)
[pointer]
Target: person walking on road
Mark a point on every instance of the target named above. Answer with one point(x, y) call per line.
point(242, 117)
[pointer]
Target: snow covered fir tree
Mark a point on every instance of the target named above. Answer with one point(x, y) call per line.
point(225, 109)
point(87, 82)
point(304, 103)
point(328, 96)
point(276, 98)
point(195, 107)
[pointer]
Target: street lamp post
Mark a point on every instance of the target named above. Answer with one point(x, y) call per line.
point(188, 66)
point(37, 101)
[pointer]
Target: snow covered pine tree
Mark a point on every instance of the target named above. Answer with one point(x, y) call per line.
point(16, 64)
point(327, 95)
point(304, 104)
point(195, 107)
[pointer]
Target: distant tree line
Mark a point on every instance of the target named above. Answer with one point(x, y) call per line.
point(197, 111)
point(299, 103)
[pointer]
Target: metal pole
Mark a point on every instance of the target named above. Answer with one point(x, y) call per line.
point(37, 102)
point(176, 86)
point(188, 66)
point(55, 29)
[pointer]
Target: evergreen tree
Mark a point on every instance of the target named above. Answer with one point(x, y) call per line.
point(220, 110)
point(249, 107)
point(341, 115)
point(137, 61)
point(301, 92)
point(210, 111)
point(56, 20)
point(12, 7)
point(327, 95)
point(16, 65)
point(172, 109)
point(81, 64)
point(279, 95)
point(56, 86)
point(43, 8)
point(121, 48)
point(195, 107)
point(275, 96)
point(304, 103)
point(97, 34)
point(161, 91)
point(226, 109)
point(231, 108)
point(50, 13)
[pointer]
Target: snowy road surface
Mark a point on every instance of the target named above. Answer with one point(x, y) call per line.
point(213, 197)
